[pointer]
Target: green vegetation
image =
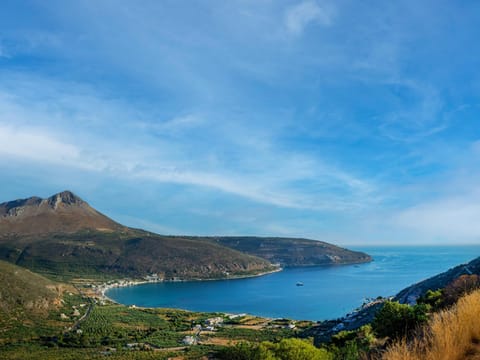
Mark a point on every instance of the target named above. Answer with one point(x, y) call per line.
point(41, 321)
point(396, 320)
point(254, 335)
point(133, 253)
point(28, 304)
point(286, 349)
point(37, 352)
point(352, 345)
point(451, 333)
point(292, 252)
point(116, 325)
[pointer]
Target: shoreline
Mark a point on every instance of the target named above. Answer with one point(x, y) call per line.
point(101, 289)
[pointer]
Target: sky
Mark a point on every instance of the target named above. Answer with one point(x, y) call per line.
point(353, 122)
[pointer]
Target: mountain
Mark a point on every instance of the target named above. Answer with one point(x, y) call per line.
point(410, 294)
point(61, 213)
point(290, 252)
point(64, 236)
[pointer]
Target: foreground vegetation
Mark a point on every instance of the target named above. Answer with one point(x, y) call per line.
point(451, 334)
point(44, 319)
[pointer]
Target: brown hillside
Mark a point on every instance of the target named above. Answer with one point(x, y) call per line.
point(63, 236)
point(27, 290)
point(61, 213)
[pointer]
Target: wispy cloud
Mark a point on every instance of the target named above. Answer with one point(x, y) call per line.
point(299, 16)
point(234, 162)
point(355, 118)
point(444, 219)
point(36, 144)
point(420, 118)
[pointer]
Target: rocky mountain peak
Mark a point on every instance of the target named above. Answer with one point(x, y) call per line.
point(64, 212)
point(65, 197)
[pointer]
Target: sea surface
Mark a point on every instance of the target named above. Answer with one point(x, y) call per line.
point(327, 293)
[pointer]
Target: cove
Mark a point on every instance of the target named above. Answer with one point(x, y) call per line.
point(327, 293)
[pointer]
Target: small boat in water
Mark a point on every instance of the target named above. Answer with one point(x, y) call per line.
point(299, 283)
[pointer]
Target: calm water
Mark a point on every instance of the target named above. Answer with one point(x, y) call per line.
point(328, 292)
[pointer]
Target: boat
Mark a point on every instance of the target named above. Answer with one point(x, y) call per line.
point(299, 283)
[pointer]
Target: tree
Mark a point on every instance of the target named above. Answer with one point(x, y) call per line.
point(286, 349)
point(397, 320)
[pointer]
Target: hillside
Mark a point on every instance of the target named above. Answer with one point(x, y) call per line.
point(27, 302)
point(134, 253)
point(26, 290)
point(410, 294)
point(290, 252)
point(61, 213)
point(64, 236)
point(453, 334)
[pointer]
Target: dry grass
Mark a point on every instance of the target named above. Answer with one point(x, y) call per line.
point(449, 334)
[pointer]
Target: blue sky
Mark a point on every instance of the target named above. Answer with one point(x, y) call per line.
point(345, 121)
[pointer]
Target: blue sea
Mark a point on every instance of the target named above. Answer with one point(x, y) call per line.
point(328, 292)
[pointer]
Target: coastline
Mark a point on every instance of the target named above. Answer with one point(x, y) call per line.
point(102, 289)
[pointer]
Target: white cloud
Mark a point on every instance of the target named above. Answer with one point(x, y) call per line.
point(35, 144)
point(298, 17)
point(238, 160)
point(455, 218)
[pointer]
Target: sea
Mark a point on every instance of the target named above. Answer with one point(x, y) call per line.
point(327, 292)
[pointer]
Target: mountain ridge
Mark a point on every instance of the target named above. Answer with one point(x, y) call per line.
point(63, 234)
point(63, 212)
point(301, 251)
point(410, 294)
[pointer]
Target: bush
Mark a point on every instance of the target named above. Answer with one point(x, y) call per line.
point(397, 320)
point(450, 334)
point(287, 349)
point(432, 298)
point(352, 345)
point(459, 287)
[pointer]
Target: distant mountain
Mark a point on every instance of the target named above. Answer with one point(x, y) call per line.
point(290, 252)
point(61, 213)
point(410, 294)
point(64, 236)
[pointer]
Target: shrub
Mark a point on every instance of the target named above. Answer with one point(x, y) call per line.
point(352, 345)
point(462, 285)
point(286, 349)
point(397, 320)
point(449, 334)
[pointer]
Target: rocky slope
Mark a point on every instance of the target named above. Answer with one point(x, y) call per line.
point(25, 290)
point(413, 292)
point(63, 235)
point(62, 213)
point(293, 252)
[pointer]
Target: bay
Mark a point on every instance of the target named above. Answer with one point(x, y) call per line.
point(328, 292)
